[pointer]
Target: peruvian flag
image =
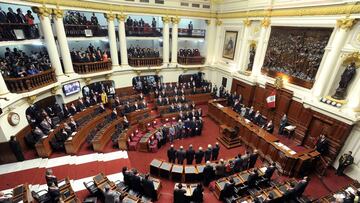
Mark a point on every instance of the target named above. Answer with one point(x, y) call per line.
point(270, 100)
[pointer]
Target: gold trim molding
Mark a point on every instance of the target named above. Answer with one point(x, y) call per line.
point(265, 22)
point(31, 99)
point(345, 23)
point(352, 57)
point(109, 16)
point(247, 22)
point(41, 11)
point(121, 17)
point(166, 19)
point(175, 20)
point(54, 90)
point(218, 22)
point(58, 13)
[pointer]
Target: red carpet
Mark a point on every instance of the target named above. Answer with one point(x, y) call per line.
point(141, 160)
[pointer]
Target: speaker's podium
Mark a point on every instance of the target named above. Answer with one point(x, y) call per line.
point(229, 136)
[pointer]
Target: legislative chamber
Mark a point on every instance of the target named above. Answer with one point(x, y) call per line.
point(234, 101)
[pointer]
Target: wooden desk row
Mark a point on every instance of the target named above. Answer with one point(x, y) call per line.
point(287, 161)
point(354, 186)
point(43, 147)
point(124, 136)
point(137, 115)
point(22, 193)
point(165, 108)
point(276, 191)
point(104, 136)
point(66, 191)
point(73, 144)
point(101, 181)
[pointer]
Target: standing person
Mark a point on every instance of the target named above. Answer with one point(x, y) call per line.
point(171, 153)
point(220, 169)
point(283, 123)
point(215, 152)
point(322, 144)
point(171, 133)
point(190, 154)
point(345, 161)
point(198, 194)
point(16, 148)
point(111, 196)
point(179, 194)
point(252, 159)
point(245, 159)
point(208, 173)
point(199, 155)
point(180, 155)
point(208, 152)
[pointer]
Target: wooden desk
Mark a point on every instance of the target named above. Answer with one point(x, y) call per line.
point(330, 197)
point(177, 172)
point(22, 193)
point(104, 136)
point(154, 167)
point(190, 173)
point(137, 115)
point(124, 136)
point(165, 169)
point(287, 162)
point(144, 141)
point(73, 144)
point(66, 191)
point(43, 147)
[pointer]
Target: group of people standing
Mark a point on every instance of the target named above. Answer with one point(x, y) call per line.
point(211, 153)
point(89, 55)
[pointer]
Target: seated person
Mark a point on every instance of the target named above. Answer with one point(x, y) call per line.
point(179, 194)
point(269, 127)
point(81, 106)
point(114, 114)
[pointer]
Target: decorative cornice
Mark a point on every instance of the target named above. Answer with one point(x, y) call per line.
point(166, 19)
point(208, 22)
point(58, 13)
point(345, 23)
point(265, 22)
point(54, 90)
point(247, 22)
point(109, 16)
point(41, 11)
point(351, 57)
point(31, 99)
point(175, 20)
point(121, 17)
point(87, 81)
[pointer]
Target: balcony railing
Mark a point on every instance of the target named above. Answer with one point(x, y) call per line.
point(18, 31)
point(145, 62)
point(195, 33)
point(29, 83)
point(85, 30)
point(92, 67)
point(146, 31)
point(191, 60)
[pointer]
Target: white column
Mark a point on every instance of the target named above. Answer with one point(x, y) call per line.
point(122, 40)
point(324, 76)
point(174, 40)
point(166, 42)
point(258, 59)
point(44, 14)
point(3, 87)
point(209, 40)
point(354, 102)
point(217, 46)
point(112, 38)
point(61, 37)
point(244, 49)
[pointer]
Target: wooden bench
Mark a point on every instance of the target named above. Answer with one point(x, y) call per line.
point(104, 136)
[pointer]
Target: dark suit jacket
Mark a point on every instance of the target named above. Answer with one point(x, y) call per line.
point(179, 196)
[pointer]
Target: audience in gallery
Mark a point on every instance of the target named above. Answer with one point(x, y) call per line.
point(137, 52)
point(18, 64)
point(77, 18)
point(135, 27)
point(89, 55)
point(188, 52)
point(11, 20)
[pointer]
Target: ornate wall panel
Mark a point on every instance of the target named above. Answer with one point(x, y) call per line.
point(296, 53)
point(246, 90)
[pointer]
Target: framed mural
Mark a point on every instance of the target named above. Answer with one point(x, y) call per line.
point(230, 44)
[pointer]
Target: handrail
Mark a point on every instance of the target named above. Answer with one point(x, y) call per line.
point(73, 30)
point(145, 31)
point(7, 31)
point(29, 83)
point(145, 62)
point(191, 60)
point(92, 67)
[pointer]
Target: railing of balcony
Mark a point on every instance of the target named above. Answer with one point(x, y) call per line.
point(85, 30)
point(92, 67)
point(145, 62)
point(29, 83)
point(195, 33)
point(146, 31)
point(191, 60)
point(18, 31)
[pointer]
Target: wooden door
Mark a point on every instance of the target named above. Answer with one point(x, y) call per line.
point(316, 128)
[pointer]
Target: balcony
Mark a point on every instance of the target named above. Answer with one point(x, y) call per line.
point(146, 31)
point(85, 30)
point(145, 62)
point(92, 67)
point(191, 60)
point(29, 83)
point(18, 31)
point(195, 33)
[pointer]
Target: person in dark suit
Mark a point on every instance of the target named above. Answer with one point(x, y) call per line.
point(127, 176)
point(111, 196)
point(16, 148)
point(180, 155)
point(345, 161)
point(269, 127)
point(73, 125)
point(301, 186)
point(252, 159)
point(114, 114)
point(254, 175)
point(208, 173)
point(215, 152)
point(50, 178)
point(149, 188)
point(199, 155)
point(197, 196)
point(136, 181)
point(245, 159)
point(283, 123)
point(11, 16)
point(257, 118)
point(190, 154)
point(269, 171)
point(81, 106)
point(220, 169)
point(238, 162)
point(54, 192)
point(229, 189)
point(171, 153)
point(289, 194)
point(208, 152)
point(179, 194)
point(322, 144)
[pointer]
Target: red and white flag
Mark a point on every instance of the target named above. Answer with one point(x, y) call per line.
point(270, 100)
